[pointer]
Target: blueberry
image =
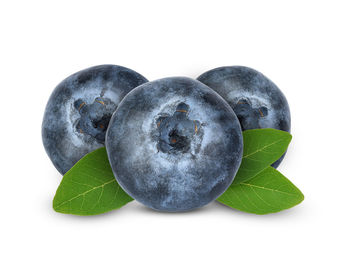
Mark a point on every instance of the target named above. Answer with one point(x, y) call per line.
point(79, 109)
point(174, 144)
point(257, 101)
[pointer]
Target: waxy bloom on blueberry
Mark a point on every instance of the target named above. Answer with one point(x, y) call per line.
point(174, 144)
point(256, 100)
point(78, 112)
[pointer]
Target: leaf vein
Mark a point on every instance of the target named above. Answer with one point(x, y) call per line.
point(274, 190)
point(261, 197)
point(84, 193)
point(262, 148)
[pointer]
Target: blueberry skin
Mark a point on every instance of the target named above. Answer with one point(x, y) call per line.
point(256, 100)
point(79, 109)
point(174, 144)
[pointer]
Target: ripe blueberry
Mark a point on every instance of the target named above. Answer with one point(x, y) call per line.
point(174, 144)
point(79, 109)
point(257, 101)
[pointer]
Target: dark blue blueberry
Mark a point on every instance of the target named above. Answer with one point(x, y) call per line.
point(78, 112)
point(256, 100)
point(174, 144)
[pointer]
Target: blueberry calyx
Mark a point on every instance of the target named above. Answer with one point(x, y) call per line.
point(248, 116)
point(176, 131)
point(94, 117)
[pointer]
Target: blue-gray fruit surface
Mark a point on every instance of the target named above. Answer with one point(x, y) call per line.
point(256, 100)
point(174, 144)
point(79, 109)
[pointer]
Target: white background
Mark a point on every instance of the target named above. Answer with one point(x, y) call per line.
point(303, 46)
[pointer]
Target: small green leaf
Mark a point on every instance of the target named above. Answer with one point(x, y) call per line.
point(90, 187)
point(267, 192)
point(261, 148)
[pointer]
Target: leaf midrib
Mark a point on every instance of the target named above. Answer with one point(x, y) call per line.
point(270, 189)
point(84, 193)
point(263, 148)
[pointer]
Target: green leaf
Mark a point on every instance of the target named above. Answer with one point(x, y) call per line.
point(267, 192)
point(261, 148)
point(90, 187)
